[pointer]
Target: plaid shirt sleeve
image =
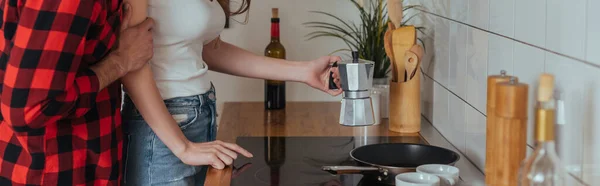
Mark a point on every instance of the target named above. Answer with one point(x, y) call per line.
point(44, 76)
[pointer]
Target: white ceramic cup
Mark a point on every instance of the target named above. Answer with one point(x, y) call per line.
point(447, 174)
point(417, 179)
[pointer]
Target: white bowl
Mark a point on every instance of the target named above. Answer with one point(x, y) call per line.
point(417, 179)
point(447, 174)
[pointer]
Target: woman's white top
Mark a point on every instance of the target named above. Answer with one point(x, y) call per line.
point(182, 28)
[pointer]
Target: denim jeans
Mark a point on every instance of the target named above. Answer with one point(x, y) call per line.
point(148, 161)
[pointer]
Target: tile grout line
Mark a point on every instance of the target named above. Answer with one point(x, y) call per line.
point(467, 103)
point(451, 144)
point(454, 94)
point(583, 61)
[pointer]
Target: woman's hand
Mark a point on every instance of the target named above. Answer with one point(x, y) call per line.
point(217, 154)
point(318, 74)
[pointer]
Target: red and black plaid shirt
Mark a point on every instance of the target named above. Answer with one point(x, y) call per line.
point(57, 127)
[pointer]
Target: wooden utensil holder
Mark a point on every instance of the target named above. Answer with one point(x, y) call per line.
point(405, 105)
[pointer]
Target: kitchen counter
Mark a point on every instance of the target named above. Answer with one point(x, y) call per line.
point(314, 119)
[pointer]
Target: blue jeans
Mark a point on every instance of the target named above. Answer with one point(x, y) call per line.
point(148, 161)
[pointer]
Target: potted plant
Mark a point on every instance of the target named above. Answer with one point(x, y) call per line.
point(366, 37)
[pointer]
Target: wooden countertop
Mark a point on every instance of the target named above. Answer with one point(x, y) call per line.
point(298, 119)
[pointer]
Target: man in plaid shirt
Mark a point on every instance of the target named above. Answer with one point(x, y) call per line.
point(60, 98)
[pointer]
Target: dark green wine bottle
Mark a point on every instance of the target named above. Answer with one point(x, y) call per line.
point(275, 90)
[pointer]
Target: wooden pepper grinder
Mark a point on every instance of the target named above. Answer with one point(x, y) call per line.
point(492, 137)
point(510, 131)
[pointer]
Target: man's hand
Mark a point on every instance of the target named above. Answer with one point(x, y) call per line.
point(217, 154)
point(135, 47)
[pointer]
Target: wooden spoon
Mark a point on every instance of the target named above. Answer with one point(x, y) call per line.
point(387, 42)
point(395, 12)
point(403, 39)
point(410, 63)
point(418, 51)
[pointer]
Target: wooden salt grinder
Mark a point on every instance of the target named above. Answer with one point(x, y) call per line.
point(510, 124)
point(492, 137)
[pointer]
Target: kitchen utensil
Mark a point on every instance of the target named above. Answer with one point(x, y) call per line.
point(391, 26)
point(356, 79)
point(387, 42)
point(417, 179)
point(403, 39)
point(384, 161)
point(405, 105)
point(395, 11)
point(418, 50)
point(410, 62)
point(510, 126)
point(493, 137)
point(448, 174)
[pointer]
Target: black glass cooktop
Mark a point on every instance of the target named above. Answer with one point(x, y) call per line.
point(297, 161)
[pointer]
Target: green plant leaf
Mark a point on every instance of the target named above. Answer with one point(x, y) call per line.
point(366, 35)
point(333, 27)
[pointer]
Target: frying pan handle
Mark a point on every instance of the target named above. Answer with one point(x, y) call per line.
point(351, 169)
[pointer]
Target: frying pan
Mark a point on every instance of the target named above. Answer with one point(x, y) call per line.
point(382, 162)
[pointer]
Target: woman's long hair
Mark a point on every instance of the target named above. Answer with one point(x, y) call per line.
point(244, 7)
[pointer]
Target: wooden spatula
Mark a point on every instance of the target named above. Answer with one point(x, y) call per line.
point(403, 39)
point(387, 42)
point(395, 11)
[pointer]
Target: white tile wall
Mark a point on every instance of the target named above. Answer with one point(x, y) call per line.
point(500, 55)
point(525, 38)
point(459, 10)
point(565, 27)
point(475, 137)
point(593, 31)
point(457, 75)
point(457, 122)
point(477, 56)
point(530, 21)
point(441, 43)
point(440, 107)
point(479, 13)
point(502, 17)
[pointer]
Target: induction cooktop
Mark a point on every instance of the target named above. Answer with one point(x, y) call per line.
point(297, 161)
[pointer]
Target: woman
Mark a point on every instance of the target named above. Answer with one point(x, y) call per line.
point(171, 127)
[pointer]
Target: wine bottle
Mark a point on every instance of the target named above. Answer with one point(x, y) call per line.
point(543, 167)
point(275, 90)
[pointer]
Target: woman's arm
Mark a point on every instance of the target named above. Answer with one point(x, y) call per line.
point(141, 87)
point(229, 59)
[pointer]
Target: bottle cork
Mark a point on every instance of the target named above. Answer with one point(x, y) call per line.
point(275, 12)
point(491, 134)
point(510, 127)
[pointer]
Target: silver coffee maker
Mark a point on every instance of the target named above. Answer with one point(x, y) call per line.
point(356, 79)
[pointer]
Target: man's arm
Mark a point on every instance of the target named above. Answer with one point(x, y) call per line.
point(45, 77)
